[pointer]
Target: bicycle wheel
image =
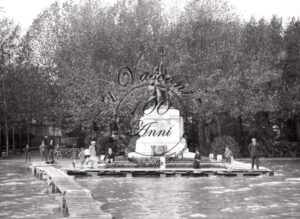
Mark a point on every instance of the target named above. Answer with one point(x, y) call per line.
point(58, 156)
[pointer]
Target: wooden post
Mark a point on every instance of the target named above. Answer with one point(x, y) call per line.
point(94, 174)
point(163, 175)
point(210, 173)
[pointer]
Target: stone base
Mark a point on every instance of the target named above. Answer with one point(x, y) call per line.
point(185, 155)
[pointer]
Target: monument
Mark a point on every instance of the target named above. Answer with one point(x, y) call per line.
point(161, 128)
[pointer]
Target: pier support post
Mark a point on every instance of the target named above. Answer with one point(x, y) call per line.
point(128, 175)
point(94, 174)
point(163, 175)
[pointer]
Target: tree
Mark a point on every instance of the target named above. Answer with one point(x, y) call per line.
point(9, 40)
point(290, 101)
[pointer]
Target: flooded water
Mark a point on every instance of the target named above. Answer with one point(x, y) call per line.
point(24, 196)
point(204, 197)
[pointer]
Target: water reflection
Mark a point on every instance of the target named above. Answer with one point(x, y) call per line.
point(211, 197)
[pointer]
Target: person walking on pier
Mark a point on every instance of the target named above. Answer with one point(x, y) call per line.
point(254, 153)
point(27, 153)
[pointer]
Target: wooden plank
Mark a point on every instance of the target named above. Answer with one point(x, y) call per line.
point(76, 201)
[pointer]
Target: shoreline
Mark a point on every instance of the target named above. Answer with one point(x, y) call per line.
point(271, 158)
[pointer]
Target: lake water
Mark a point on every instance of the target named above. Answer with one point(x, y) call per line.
point(204, 197)
point(24, 196)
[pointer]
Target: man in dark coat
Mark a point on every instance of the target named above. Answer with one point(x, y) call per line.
point(51, 151)
point(27, 152)
point(254, 153)
point(197, 159)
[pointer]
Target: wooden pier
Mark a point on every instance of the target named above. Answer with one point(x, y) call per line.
point(75, 201)
point(235, 169)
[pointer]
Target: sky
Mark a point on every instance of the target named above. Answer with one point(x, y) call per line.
point(24, 11)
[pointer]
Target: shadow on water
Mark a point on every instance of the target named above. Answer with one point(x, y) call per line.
point(207, 197)
point(23, 196)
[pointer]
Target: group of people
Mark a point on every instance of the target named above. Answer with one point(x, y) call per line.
point(47, 151)
point(88, 157)
point(253, 150)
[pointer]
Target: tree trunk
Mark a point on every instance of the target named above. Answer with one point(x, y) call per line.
point(0, 138)
point(5, 117)
point(241, 129)
point(219, 126)
point(6, 137)
point(297, 120)
point(13, 139)
point(201, 136)
point(241, 126)
point(207, 138)
point(20, 133)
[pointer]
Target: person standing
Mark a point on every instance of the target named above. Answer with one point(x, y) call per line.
point(27, 153)
point(93, 154)
point(254, 153)
point(197, 159)
point(228, 155)
point(42, 148)
point(51, 151)
point(81, 156)
point(110, 157)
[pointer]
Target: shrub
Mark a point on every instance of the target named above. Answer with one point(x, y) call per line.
point(282, 148)
point(219, 144)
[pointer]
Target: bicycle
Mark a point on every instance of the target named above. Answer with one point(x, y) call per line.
point(57, 155)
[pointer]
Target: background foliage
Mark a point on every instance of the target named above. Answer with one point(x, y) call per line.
point(64, 69)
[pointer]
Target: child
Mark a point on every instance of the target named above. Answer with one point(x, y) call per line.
point(228, 155)
point(110, 157)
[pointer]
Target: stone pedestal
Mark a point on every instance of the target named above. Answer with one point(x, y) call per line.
point(160, 134)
